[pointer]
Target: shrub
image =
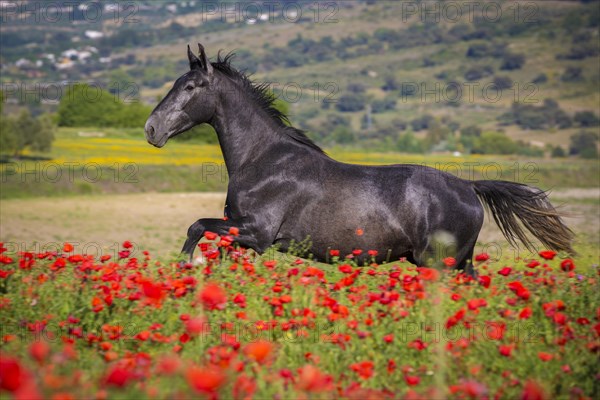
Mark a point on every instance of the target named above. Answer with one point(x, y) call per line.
point(471, 130)
point(379, 106)
point(503, 82)
point(351, 103)
point(423, 122)
point(512, 61)
point(572, 74)
point(584, 144)
point(478, 72)
point(541, 78)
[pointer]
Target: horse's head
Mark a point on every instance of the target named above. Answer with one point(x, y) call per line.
point(190, 102)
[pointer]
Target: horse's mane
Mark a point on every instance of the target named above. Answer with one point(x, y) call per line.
point(261, 94)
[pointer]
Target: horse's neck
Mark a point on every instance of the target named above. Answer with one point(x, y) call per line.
point(245, 130)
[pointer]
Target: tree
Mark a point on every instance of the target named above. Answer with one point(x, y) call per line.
point(494, 143)
point(343, 135)
point(8, 136)
point(586, 119)
point(42, 140)
point(583, 143)
point(84, 105)
point(408, 143)
point(25, 131)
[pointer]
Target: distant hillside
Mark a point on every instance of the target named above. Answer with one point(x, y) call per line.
point(389, 75)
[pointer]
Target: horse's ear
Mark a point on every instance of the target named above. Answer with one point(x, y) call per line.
point(194, 61)
point(207, 65)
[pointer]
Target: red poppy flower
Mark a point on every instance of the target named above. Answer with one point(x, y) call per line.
point(213, 297)
point(505, 271)
point(485, 281)
point(197, 326)
point(547, 254)
point(153, 290)
point(567, 265)
point(525, 313)
point(545, 356)
point(482, 257)
point(259, 351)
point(345, 268)
point(428, 274)
point(412, 380)
point(118, 376)
point(533, 391)
point(311, 379)
point(11, 374)
point(210, 235)
point(506, 349)
point(559, 318)
point(449, 261)
point(205, 380)
point(39, 350)
point(495, 330)
point(364, 369)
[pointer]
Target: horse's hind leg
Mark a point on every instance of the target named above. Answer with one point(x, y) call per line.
point(464, 260)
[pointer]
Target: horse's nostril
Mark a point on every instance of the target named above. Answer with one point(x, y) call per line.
point(151, 130)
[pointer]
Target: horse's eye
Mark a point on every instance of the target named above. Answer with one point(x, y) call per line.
point(189, 88)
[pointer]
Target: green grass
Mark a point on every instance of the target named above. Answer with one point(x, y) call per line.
point(121, 161)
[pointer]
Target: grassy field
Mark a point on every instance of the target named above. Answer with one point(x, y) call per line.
point(89, 161)
point(242, 327)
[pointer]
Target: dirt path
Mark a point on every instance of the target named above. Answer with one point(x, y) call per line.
point(159, 221)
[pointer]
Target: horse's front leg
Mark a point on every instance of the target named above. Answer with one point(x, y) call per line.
point(247, 237)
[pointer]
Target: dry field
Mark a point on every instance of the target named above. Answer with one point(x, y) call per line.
point(158, 221)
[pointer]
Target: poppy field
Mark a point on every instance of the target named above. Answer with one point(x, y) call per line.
point(240, 326)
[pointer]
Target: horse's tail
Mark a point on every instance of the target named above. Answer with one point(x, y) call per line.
point(510, 202)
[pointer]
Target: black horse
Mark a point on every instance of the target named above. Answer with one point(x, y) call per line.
point(284, 188)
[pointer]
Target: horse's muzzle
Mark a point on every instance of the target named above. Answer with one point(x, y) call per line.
point(151, 136)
